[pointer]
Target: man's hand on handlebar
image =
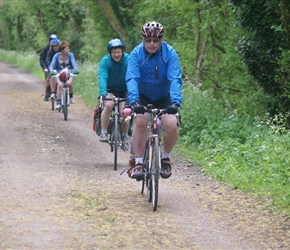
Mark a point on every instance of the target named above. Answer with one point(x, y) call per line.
point(173, 108)
point(138, 108)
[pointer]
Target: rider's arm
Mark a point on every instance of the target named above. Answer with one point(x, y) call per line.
point(174, 75)
point(103, 74)
point(72, 61)
point(133, 76)
point(48, 58)
point(54, 61)
point(42, 58)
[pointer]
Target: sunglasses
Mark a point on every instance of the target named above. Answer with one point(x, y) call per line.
point(155, 40)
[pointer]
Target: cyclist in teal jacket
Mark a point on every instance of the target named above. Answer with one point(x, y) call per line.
point(154, 77)
point(112, 71)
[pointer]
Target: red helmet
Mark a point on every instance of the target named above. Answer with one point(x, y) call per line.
point(64, 75)
point(152, 29)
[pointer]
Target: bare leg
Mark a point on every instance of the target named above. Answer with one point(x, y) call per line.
point(124, 124)
point(140, 134)
point(169, 123)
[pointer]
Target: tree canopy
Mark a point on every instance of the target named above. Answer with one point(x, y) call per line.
point(231, 48)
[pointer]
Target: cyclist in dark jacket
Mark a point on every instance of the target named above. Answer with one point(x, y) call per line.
point(44, 66)
point(154, 77)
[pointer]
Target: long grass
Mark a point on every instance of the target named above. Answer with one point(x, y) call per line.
point(249, 153)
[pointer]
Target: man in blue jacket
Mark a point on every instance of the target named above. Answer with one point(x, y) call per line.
point(154, 77)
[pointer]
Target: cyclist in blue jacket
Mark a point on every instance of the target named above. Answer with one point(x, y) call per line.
point(61, 60)
point(154, 77)
point(112, 71)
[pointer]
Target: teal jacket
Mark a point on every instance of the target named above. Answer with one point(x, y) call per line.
point(112, 74)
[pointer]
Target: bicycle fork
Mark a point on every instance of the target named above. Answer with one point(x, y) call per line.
point(65, 92)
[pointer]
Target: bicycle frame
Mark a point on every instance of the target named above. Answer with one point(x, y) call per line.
point(152, 156)
point(114, 128)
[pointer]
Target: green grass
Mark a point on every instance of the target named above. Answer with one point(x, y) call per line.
point(249, 153)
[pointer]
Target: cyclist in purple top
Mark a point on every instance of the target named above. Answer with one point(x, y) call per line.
point(153, 77)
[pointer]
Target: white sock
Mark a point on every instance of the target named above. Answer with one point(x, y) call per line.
point(165, 155)
point(139, 160)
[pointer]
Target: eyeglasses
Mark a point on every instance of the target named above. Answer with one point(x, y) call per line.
point(155, 40)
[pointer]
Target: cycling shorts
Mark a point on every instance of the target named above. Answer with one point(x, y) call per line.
point(121, 94)
point(162, 103)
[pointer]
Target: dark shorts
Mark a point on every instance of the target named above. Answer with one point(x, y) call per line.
point(160, 103)
point(47, 75)
point(121, 94)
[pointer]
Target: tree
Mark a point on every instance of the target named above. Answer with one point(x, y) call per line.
point(262, 50)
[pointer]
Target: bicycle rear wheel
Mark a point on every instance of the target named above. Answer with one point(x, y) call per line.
point(65, 100)
point(116, 141)
point(155, 173)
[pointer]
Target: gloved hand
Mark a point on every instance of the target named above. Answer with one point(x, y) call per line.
point(138, 108)
point(52, 73)
point(76, 72)
point(173, 108)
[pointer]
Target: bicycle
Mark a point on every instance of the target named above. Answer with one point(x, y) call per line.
point(65, 98)
point(152, 156)
point(114, 128)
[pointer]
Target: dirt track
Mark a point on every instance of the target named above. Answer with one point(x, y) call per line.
point(58, 189)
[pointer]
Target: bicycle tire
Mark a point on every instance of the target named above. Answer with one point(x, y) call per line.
point(149, 172)
point(145, 166)
point(155, 173)
point(116, 141)
point(65, 100)
point(52, 103)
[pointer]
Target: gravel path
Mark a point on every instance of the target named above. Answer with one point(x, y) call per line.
point(59, 189)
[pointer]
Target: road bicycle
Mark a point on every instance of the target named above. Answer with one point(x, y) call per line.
point(152, 156)
point(114, 128)
point(65, 98)
point(152, 153)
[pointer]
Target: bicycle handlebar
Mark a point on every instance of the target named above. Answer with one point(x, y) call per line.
point(57, 75)
point(119, 99)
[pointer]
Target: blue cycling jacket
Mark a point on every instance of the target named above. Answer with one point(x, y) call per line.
point(56, 65)
point(154, 76)
point(112, 74)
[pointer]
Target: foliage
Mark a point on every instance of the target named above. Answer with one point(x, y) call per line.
point(225, 47)
point(268, 22)
point(248, 153)
point(29, 24)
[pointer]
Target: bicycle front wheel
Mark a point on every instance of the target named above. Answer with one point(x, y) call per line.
point(52, 103)
point(64, 107)
point(116, 141)
point(155, 173)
